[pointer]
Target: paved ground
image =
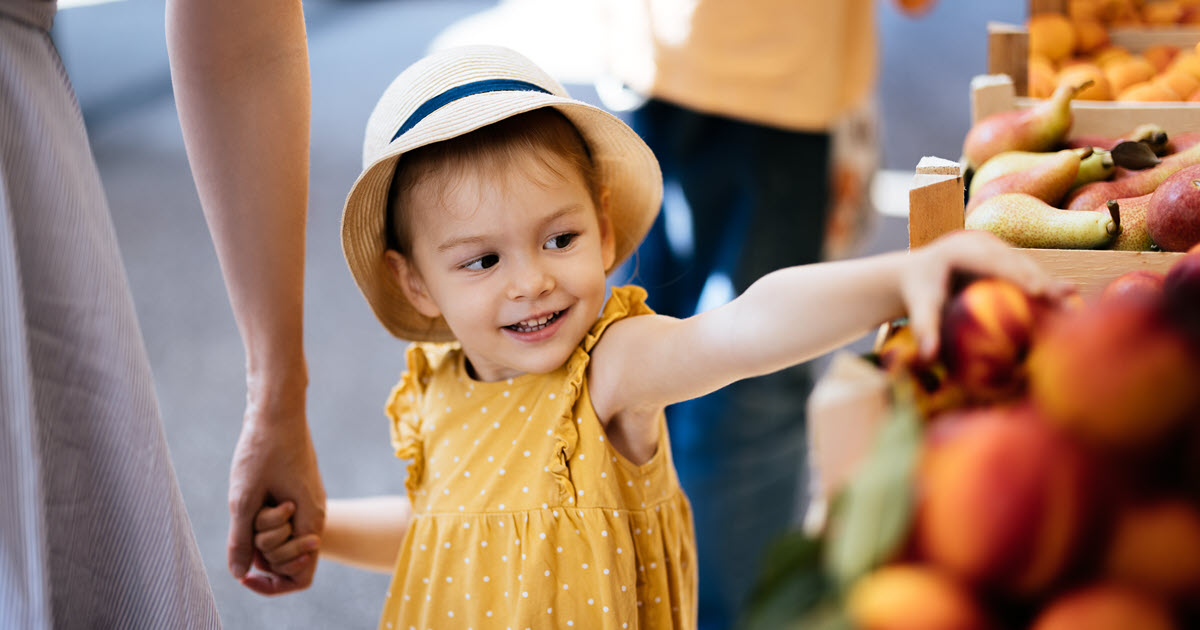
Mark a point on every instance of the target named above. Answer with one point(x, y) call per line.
point(115, 54)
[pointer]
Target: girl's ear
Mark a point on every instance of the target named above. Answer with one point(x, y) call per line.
point(409, 278)
point(608, 239)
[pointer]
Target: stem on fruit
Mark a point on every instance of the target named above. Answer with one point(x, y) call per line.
point(1114, 209)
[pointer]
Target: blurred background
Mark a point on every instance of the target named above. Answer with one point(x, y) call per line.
point(115, 53)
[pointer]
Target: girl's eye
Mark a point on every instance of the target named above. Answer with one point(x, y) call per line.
point(561, 241)
point(483, 262)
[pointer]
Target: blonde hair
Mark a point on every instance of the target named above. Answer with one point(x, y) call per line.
point(542, 132)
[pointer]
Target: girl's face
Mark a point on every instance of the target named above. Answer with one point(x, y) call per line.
point(513, 258)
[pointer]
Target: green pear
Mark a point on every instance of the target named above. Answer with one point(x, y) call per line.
point(1026, 221)
point(1133, 183)
point(1048, 179)
point(1135, 234)
point(1096, 167)
point(1039, 128)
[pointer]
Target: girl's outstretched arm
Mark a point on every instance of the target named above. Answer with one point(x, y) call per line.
point(793, 315)
point(366, 532)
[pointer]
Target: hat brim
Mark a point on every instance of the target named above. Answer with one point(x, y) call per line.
point(625, 167)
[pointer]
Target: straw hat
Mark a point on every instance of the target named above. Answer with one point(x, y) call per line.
point(446, 95)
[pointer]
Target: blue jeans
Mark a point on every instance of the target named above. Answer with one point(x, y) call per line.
point(754, 200)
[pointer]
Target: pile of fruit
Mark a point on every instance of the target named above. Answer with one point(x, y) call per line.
point(1070, 48)
point(1035, 187)
point(1042, 472)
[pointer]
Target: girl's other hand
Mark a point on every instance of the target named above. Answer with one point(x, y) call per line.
point(275, 548)
point(925, 280)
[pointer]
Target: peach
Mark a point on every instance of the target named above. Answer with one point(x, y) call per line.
point(1156, 547)
point(1123, 73)
point(987, 330)
point(1139, 285)
point(1117, 374)
point(1052, 35)
point(1007, 502)
point(1105, 607)
point(912, 597)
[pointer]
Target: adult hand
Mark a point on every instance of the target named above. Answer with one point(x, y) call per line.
point(273, 462)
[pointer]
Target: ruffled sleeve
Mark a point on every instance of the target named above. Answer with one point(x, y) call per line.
point(403, 411)
point(627, 301)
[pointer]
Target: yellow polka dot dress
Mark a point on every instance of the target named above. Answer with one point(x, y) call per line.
point(524, 515)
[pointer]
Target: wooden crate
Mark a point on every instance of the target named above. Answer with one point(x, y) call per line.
point(1008, 53)
point(936, 206)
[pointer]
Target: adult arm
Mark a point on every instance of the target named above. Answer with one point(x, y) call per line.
point(240, 75)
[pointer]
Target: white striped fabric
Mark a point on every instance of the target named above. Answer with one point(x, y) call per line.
point(93, 530)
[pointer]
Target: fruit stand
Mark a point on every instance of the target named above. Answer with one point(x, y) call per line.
point(936, 206)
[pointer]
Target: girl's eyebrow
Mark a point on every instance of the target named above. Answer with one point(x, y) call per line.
point(472, 240)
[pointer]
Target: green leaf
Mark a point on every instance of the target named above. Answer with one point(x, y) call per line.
point(828, 614)
point(791, 583)
point(876, 512)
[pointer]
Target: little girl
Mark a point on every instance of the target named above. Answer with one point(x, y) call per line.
point(541, 491)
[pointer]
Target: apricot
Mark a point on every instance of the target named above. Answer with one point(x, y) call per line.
point(1077, 73)
point(1006, 501)
point(1042, 78)
point(1147, 91)
point(1160, 55)
point(1109, 54)
point(1180, 82)
point(1162, 13)
point(1188, 62)
point(1156, 547)
point(1105, 607)
point(912, 597)
point(1090, 35)
point(1084, 10)
point(1118, 374)
point(1052, 35)
point(1123, 73)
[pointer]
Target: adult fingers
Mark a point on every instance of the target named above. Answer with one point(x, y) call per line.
point(240, 544)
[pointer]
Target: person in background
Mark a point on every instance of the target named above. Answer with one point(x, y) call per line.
point(738, 101)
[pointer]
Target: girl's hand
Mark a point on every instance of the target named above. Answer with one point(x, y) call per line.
point(276, 549)
point(925, 278)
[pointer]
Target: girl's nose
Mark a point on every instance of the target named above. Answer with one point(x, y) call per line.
point(530, 280)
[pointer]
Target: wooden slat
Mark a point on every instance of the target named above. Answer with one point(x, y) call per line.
point(1008, 53)
point(991, 94)
point(936, 200)
point(1090, 269)
point(1139, 39)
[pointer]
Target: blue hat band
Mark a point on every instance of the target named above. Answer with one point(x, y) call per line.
point(463, 91)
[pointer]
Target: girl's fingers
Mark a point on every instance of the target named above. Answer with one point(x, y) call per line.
point(272, 517)
point(272, 538)
point(294, 567)
point(292, 549)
